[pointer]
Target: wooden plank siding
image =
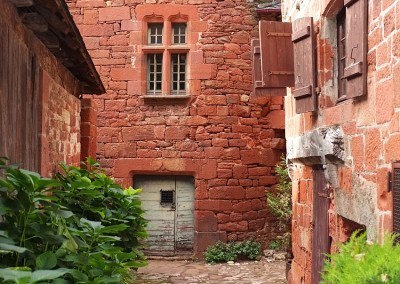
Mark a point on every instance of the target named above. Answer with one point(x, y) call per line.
point(19, 101)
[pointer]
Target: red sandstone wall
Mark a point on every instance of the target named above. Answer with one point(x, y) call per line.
point(370, 129)
point(60, 126)
point(226, 138)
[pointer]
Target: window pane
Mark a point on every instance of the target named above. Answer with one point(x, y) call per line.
point(178, 74)
point(154, 34)
point(154, 73)
point(179, 33)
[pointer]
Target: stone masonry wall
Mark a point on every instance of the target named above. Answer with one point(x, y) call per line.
point(61, 126)
point(226, 138)
point(369, 129)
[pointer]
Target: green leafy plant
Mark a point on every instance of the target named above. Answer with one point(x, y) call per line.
point(280, 203)
point(224, 252)
point(80, 227)
point(360, 262)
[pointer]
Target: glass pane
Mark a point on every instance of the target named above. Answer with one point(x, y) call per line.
point(155, 33)
point(182, 85)
point(179, 33)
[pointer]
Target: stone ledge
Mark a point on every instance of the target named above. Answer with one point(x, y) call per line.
point(166, 99)
point(317, 147)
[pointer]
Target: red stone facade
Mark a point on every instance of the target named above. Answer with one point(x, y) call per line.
point(366, 129)
point(221, 134)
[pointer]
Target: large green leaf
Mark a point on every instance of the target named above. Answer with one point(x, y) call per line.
point(17, 276)
point(46, 260)
point(10, 247)
point(41, 275)
point(114, 228)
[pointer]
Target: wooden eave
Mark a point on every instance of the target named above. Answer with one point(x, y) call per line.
point(54, 26)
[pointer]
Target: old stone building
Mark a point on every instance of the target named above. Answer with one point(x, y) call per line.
point(44, 68)
point(342, 124)
point(179, 119)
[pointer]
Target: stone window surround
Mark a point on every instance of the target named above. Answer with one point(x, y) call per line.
point(167, 14)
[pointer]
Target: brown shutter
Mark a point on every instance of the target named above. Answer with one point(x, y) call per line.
point(276, 54)
point(258, 86)
point(304, 65)
point(396, 197)
point(355, 71)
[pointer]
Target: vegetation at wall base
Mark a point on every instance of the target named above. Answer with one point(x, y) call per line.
point(366, 263)
point(280, 203)
point(80, 227)
point(232, 251)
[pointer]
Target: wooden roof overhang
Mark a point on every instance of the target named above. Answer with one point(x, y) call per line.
point(52, 23)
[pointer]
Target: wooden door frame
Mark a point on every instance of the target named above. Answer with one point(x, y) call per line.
point(320, 239)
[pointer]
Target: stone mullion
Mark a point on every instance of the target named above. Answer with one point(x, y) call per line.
point(166, 68)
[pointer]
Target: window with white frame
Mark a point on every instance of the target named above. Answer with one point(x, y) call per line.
point(166, 58)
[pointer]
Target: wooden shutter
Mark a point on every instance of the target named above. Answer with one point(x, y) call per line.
point(276, 54)
point(355, 71)
point(258, 86)
point(304, 65)
point(396, 197)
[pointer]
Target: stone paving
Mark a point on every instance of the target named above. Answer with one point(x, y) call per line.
point(189, 272)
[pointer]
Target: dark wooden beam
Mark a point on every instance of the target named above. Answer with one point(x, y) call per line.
point(52, 19)
point(35, 22)
point(22, 3)
point(49, 40)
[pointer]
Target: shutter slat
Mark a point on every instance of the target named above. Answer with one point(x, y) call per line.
point(304, 65)
point(302, 92)
point(355, 71)
point(302, 34)
point(276, 54)
point(352, 71)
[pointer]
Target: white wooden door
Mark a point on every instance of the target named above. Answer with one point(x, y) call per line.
point(169, 205)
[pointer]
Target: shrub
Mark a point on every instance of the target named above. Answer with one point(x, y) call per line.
point(81, 227)
point(359, 262)
point(224, 252)
point(280, 203)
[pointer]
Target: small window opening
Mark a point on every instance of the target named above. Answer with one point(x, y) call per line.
point(348, 227)
point(178, 80)
point(154, 73)
point(155, 36)
point(179, 33)
point(167, 197)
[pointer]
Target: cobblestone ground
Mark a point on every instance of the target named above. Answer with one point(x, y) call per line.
point(189, 272)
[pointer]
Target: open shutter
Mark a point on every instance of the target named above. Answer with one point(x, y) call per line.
point(396, 197)
point(304, 65)
point(258, 86)
point(355, 71)
point(276, 58)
